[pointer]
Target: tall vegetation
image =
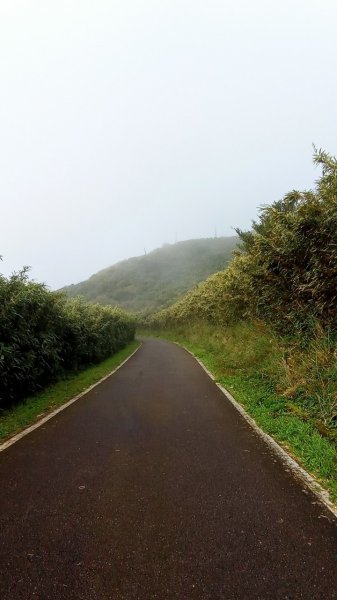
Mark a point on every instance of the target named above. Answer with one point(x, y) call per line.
point(43, 335)
point(285, 272)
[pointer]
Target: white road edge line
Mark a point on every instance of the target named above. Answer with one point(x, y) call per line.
point(321, 494)
point(31, 428)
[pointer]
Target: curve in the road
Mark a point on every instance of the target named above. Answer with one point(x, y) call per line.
point(152, 486)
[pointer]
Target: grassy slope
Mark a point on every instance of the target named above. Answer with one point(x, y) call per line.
point(39, 405)
point(149, 282)
point(248, 360)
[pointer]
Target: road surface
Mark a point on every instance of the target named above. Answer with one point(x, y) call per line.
point(152, 486)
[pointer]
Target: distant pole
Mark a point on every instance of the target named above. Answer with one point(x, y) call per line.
point(144, 251)
point(215, 234)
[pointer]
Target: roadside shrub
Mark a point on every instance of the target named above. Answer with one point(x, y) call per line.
point(292, 256)
point(43, 335)
point(285, 272)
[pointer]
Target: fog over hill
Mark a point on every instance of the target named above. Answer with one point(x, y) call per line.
point(157, 279)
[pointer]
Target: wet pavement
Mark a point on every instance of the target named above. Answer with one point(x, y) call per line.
point(152, 486)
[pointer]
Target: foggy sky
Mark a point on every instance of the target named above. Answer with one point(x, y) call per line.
point(127, 124)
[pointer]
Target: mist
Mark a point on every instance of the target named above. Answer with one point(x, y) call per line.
point(126, 125)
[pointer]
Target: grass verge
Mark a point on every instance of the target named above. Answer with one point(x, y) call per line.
point(21, 416)
point(248, 362)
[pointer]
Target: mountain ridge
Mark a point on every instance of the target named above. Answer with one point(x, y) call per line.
point(158, 278)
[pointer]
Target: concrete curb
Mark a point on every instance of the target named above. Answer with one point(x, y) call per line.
point(37, 424)
point(299, 473)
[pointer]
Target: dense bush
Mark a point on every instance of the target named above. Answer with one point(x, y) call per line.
point(286, 270)
point(292, 254)
point(43, 335)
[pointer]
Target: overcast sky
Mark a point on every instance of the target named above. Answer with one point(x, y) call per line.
point(127, 124)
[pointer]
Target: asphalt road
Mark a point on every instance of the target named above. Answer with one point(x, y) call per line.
point(152, 486)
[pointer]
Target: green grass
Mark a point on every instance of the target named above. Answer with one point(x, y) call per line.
point(18, 417)
point(247, 361)
point(316, 453)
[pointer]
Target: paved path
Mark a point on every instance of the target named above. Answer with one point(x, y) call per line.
point(181, 500)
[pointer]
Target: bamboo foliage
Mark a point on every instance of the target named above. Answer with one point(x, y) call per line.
point(43, 335)
point(285, 271)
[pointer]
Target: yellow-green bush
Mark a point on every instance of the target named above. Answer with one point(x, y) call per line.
point(286, 270)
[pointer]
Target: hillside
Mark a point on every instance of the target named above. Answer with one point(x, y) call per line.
point(155, 280)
